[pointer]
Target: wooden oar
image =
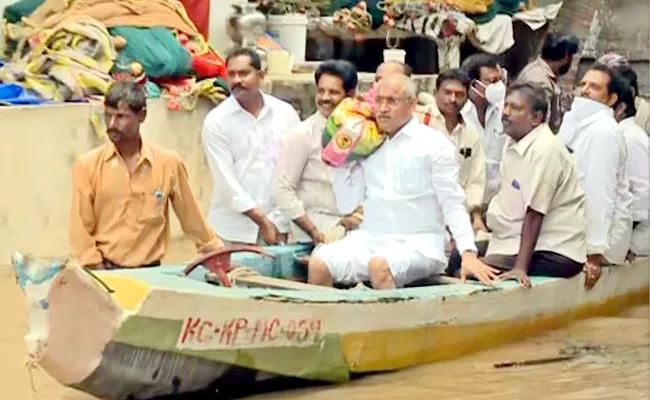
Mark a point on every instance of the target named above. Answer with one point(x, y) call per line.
point(538, 361)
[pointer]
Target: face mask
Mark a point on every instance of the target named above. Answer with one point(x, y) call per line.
point(495, 93)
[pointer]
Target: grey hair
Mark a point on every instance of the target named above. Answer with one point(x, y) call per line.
point(410, 88)
point(126, 91)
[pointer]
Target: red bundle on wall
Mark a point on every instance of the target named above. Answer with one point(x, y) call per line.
point(199, 12)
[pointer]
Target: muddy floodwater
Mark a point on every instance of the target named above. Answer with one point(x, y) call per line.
point(612, 362)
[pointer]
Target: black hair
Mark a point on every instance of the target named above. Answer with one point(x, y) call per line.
point(630, 77)
point(616, 84)
point(342, 69)
point(473, 64)
point(453, 75)
point(536, 95)
point(256, 60)
point(127, 91)
point(555, 48)
point(627, 98)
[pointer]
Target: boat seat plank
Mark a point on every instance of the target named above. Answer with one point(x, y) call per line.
point(259, 281)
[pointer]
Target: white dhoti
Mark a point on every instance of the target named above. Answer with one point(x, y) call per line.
point(348, 258)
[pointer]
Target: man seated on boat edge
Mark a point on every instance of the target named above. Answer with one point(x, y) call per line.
point(537, 217)
point(241, 139)
point(595, 139)
point(302, 183)
point(401, 239)
point(638, 158)
point(122, 191)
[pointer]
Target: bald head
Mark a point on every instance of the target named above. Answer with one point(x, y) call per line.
point(400, 84)
point(392, 67)
point(396, 101)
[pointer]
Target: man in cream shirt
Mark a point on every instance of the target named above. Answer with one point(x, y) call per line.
point(538, 216)
point(590, 131)
point(241, 140)
point(443, 114)
point(303, 183)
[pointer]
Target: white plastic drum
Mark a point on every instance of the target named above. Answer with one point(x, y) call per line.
point(291, 31)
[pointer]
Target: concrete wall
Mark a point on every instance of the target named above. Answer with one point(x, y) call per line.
point(620, 26)
point(38, 146)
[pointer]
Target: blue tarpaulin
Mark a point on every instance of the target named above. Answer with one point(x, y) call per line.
point(12, 94)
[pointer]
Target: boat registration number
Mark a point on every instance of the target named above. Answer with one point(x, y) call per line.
point(204, 333)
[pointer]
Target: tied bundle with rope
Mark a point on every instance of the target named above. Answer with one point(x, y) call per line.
point(69, 62)
point(156, 49)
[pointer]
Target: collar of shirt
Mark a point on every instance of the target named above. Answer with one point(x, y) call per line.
point(524, 143)
point(627, 122)
point(469, 110)
point(146, 152)
point(436, 113)
point(547, 68)
point(232, 106)
point(406, 129)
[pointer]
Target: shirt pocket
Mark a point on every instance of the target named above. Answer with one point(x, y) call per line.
point(152, 205)
point(411, 177)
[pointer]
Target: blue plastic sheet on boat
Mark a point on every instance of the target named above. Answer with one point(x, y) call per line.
point(12, 94)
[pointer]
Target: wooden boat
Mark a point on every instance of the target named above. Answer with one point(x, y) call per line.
point(137, 334)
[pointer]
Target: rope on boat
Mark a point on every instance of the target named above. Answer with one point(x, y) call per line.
point(101, 282)
point(233, 275)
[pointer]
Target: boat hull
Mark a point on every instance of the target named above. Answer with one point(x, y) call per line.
point(159, 334)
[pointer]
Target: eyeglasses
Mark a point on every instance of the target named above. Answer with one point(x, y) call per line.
point(391, 101)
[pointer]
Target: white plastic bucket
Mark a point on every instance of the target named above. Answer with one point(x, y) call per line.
point(398, 55)
point(291, 31)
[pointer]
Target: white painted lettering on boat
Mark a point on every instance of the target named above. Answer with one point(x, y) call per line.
point(205, 333)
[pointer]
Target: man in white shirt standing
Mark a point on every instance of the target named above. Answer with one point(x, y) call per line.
point(410, 190)
point(638, 169)
point(241, 140)
point(487, 94)
point(590, 131)
point(303, 182)
point(538, 216)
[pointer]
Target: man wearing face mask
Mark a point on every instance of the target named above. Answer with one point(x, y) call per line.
point(592, 133)
point(487, 93)
point(555, 61)
point(241, 140)
point(302, 182)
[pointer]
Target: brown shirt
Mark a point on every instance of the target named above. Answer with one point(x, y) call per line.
point(124, 218)
point(540, 73)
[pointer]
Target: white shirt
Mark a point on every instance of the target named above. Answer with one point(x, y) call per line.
point(494, 140)
point(638, 170)
point(590, 131)
point(410, 190)
point(638, 167)
point(242, 152)
point(303, 182)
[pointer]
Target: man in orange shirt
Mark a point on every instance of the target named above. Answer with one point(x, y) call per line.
point(120, 213)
